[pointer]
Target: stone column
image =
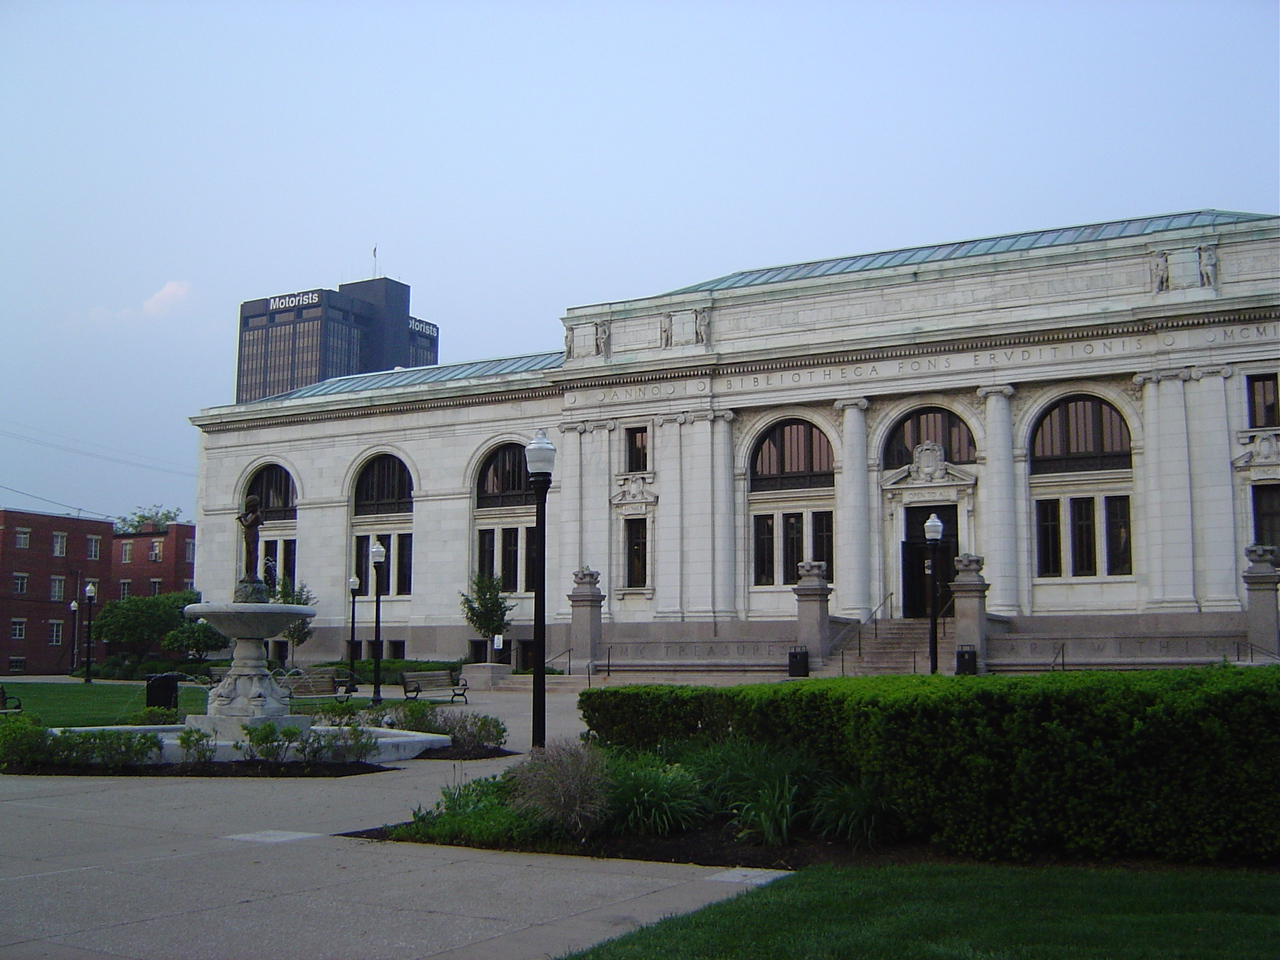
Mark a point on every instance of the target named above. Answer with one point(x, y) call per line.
point(585, 625)
point(1260, 580)
point(996, 495)
point(669, 534)
point(813, 618)
point(724, 518)
point(970, 592)
point(1212, 493)
point(853, 506)
point(1169, 456)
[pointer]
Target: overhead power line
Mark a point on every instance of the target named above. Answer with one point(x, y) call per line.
point(96, 456)
point(92, 513)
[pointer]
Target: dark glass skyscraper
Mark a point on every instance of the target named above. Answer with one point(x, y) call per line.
point(302, 338)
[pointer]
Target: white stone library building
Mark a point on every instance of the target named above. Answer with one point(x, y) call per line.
point(1091, 410)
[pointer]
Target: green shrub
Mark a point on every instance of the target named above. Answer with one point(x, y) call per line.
point(647, 795)
point(197, 745)
point(855, 811)
point(476, 813)
point(152, 717)
point(467, 730)
point(109, 749)
point(1178, 764)
point(565, 785)
point(23, 743)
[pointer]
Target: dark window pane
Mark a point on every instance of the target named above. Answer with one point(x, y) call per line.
point(637, 449)
point(1084, 554)
point(933, 424)
point(289, 548)
point(1263, 411)
point(530, 559)
point(270, 563)
point(792, 546)
point(793, 455)
point(510, 559)
point(1080, 433)
point(362, 565)
point(382, 570)
point(404, 564)
point(485, 554)
point(1266, 514)
point(384, 486)
point(824, 541)
point(637, 534)
point(275, 491)
point(1119, 540)
point(763, 546)
point(1048, 539)
point(504, 479)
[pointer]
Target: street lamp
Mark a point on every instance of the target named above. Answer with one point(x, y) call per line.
point(353, 585)
point(932, 536)
point(90, 592)
point(540, 456)
point(75, 632)
point(378, 554)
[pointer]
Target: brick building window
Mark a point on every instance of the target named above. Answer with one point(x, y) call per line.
point(22, 538)
point(59, 544)
point(93, 550)
point(156, 553)
point(18, 628)
point(126, 552)
point(20, 583)
point(57, 588)
point(55, 633)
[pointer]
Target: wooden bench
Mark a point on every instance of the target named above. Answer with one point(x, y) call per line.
point(9, 704)
point(321, 683)
point(434, 684)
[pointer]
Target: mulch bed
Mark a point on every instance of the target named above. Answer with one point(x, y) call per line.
point(465, 753)
point(234, 768)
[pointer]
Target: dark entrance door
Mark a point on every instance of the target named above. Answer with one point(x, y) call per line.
point(915, 559)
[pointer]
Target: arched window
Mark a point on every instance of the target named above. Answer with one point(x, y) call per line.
point(794, 454)
point(1080, 433)
point(930, 423)
point(504, 479)
point(384, 486)
point(275, 491)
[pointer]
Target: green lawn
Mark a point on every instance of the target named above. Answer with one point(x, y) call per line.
point(978, 913)
point(102, 704)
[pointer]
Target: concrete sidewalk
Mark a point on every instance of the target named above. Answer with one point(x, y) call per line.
point(93, 868)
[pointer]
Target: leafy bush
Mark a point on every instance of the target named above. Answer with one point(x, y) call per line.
point(476, 813)
point(197, 745)
point(110, 749)
point(468, 730)
point(565, 785)
point(393, 669)
point(855, 811)
point(23, 743)
point(152, 717)
point(1179, 764)
point(647, 795)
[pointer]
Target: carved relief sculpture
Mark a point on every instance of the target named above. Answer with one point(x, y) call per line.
point(1208, 266)
point(603, 337)
point(702, 325)
point(928, 463)
point(1160, 271)
point(668, 322)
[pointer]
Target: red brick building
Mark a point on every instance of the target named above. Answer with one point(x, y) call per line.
point(159, 558)
point(46, 561)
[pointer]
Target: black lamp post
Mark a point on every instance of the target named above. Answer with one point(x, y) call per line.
point(75, 633)
point(354, 586)
point(378, 554)
point(540, 456)
point(933, 536)
point(90, 592)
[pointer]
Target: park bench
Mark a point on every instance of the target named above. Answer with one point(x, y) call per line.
point(433, 685)
point(319, 683)
point(9, 704)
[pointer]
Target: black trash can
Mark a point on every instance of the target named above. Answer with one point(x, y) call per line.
point(798, 662)
point(479, 651)
point(162, 690)
point(966, 660)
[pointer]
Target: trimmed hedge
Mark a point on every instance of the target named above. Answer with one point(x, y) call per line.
point(1178, 764)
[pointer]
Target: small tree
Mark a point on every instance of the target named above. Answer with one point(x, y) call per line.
point(136, 625)
point(485, 609)
point(156, 515)
point(299, 594)
point(194, 640)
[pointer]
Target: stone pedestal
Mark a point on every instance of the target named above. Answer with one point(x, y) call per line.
point(585, 627)
point(484, 676)
point(813, 617)
point(969, 591)
point(1260, 579)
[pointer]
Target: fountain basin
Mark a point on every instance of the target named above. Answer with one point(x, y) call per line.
point(249, 621)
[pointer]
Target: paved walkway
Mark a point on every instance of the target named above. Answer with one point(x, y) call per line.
point(101, 868)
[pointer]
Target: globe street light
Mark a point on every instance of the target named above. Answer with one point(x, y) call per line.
point(932, 536)
point(354, 586)
point(90, 591)
point(540, 456)
point(75, 632)
point(378, 554)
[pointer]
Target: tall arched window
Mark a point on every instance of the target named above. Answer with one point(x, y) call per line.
point(1083, 526)
point(506, 536)
point(384, 486)
point(794, 454)
point(930, 423)
point(276, 493)
point(1080, 433)
point(792, 481)
point(504, 479)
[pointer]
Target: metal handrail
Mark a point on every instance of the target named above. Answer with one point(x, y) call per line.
point(1059, 655)
point(942, 614)
point(1252, 649)
point(568, 670)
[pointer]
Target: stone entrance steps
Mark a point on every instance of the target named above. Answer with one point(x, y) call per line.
point(889, 647)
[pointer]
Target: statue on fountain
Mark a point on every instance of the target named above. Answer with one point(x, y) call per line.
point(250, 589)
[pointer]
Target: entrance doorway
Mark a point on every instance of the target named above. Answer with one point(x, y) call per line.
point(915, 559)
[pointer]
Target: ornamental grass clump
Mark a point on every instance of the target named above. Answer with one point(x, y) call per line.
point(647, 795)
point(565, 785)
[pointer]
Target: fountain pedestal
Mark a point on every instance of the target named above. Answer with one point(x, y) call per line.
point(248, 695)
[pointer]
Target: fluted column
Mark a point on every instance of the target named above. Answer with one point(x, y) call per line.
point(724, 517)
point(999, 503)
point(1167, 507)
point(853, 512)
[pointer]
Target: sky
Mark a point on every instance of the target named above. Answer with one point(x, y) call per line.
point(162, 162)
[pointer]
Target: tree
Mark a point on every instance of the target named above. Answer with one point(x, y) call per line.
point(195, 640)
point(485, 609)
point(136, 625)
point(156, 515)
point(300, 631)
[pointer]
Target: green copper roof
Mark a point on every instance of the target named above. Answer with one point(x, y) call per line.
point(412, 376)
point(975, 248)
